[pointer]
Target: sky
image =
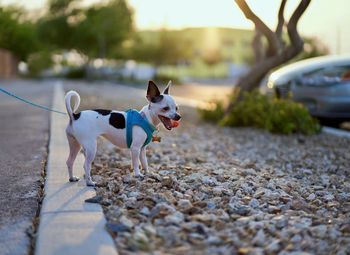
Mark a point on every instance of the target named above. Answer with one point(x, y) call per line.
point(328, 20)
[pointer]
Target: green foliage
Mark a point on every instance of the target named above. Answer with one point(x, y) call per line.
point(38, 62)
point(213, 114)
point(96, 31)
point(165, 48)
point(55, 32)
point(16, 33)
point(59, 7)
point(208, 45)
point(275, 115)
point(104, 29)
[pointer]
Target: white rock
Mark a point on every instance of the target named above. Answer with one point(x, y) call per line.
point(218, 171)
point(254, 203)
point(320, 231)
point(145, 211)
point(311, 197)
point(217, 191)
point(209, 180)
point(149, 229)
point(184, 204)
point(178, 194)
point(259, 238)
point(328, 197)
point(175, 218)
point(296, 239)
point(126, 221)
point(274, 246)
point(134, 194)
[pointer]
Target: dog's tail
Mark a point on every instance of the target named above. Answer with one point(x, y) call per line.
point(68, 98)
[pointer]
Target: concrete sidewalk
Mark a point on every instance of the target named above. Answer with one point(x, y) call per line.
point(68, 225)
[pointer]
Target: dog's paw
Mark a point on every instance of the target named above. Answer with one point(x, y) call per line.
point(149, 175)
point(139, 176)
point(90, 183)
point(74, 179)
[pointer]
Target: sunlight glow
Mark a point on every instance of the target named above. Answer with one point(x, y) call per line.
point(327, 20)
point(211, 41)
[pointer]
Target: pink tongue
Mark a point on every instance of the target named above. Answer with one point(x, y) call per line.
point(175, 123)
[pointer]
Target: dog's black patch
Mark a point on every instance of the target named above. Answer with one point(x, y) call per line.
point(102, 111)
point(117, 120)
point(157, 99)
point(76, 115)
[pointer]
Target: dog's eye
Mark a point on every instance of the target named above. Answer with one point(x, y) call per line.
point(166, 108)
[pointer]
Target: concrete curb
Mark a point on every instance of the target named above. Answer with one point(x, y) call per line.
point(336, 132)
point(68, 225)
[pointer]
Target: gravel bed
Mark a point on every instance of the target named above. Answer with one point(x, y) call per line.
point(216, 190)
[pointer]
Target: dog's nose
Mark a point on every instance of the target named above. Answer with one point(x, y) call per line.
point(177, 117)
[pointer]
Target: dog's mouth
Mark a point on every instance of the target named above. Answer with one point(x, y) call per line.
point(169, 123)
point(166, 122)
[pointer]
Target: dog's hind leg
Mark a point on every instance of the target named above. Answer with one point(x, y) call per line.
point(74, 148)
point(89, 152)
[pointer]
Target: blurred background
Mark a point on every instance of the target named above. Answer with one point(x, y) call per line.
point(134, 40)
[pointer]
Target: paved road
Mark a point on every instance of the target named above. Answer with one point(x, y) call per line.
point(23, 141)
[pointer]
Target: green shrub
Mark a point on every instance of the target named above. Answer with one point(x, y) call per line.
point(213, 114)
point(275, 115)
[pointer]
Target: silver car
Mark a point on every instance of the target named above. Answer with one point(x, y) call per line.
point(322, 84)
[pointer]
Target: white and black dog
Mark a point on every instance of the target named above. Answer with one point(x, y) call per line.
point(130, 129)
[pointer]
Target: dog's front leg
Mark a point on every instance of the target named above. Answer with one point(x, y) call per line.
point(89, 152)
point(143, 160)
point(135, 155)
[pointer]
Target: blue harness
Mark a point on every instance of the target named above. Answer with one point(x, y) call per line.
point(133, 118)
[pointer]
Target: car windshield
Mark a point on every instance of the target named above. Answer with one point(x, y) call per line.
point(325, 76)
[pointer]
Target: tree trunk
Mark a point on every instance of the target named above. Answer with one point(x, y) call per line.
point(258, 47)
point(253, 78)
point(277, 53)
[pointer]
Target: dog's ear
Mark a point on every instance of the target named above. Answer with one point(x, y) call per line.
point(153, 93)
point(166, 90)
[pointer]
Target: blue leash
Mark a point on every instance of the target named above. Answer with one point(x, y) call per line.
point(29, 102)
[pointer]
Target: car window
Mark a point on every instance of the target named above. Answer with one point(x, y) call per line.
point(325, 76)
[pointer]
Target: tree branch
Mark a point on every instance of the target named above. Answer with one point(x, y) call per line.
point(261, 26)
point(293, 34)
point(279, 28)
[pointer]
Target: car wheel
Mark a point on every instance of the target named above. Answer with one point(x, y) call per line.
point(277, 93)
